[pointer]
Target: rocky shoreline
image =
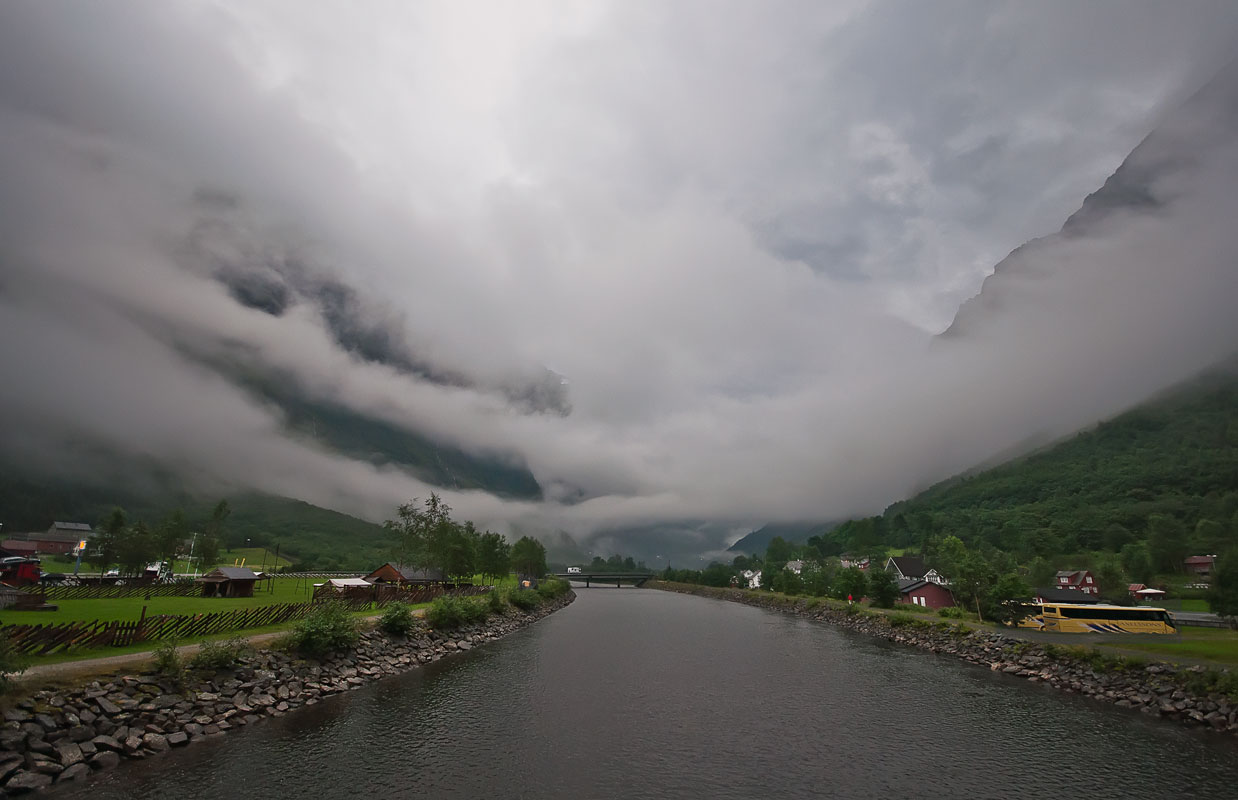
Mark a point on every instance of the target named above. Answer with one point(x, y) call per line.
point(57, 736)
point(1188, 695)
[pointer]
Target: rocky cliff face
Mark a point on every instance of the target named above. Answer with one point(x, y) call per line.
point(1158, 170)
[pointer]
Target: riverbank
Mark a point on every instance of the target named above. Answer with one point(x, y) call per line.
point(59, 735)
point(1192, 695)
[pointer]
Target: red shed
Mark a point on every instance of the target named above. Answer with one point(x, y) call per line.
point(925, 593)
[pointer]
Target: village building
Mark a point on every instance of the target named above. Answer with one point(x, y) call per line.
point(1079, 579)
point(228, 582)
point(60, 538)
point(1056, 594)
point(857, 562)
point(924, 593)
point(796, 566)
point(404, 575)
point(1200, 565)
point(1140, 592)
point(906, 568)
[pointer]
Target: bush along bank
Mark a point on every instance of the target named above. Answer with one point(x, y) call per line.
point(55, 736)
point(1191, 695)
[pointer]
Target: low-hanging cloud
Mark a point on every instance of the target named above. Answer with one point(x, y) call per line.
point(736, 236)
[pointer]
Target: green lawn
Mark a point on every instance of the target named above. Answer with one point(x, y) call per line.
point(1217, 645)
point(286, 590)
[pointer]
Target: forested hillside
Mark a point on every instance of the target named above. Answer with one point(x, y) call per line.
point(308, 535)
point(1159, 481)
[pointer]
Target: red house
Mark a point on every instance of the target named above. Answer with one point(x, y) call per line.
point(1199, 565)
point(925, 593)
point(1080, 580)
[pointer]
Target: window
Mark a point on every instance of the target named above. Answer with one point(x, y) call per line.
point(1063, 580)
point(1088, 579)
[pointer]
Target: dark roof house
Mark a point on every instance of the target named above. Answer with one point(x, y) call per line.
point(403, 573)
point(906, 567)
point(1061, 594)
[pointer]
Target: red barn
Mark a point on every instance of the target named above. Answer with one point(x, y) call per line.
point(925, 593)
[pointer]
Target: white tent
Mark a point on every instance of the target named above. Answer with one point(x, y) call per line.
point(348, 583)
point(1149, 594)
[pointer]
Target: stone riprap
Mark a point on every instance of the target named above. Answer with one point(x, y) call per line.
point(1154, 688)
point(59, 735)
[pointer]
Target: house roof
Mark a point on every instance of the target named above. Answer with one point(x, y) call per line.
point(1056, 594)
point(409, 573)
point(72, 526)
point(1070, 573)
point(910, 566)
point(233, 573)
point(344, 583)
point(1199, 560)
point(912, 584)
point(1134, 587)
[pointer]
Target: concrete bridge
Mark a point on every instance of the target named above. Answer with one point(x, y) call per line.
point(635, 578)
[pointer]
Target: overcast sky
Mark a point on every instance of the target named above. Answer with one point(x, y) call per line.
point(734, 227)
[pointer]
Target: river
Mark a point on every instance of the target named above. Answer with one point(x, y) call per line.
point(632, 691)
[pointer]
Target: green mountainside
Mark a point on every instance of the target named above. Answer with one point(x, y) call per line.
point(1163, 476)
point(308, 535)
point(757, 541)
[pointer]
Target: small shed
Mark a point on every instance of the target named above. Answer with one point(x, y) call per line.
point(228, 582)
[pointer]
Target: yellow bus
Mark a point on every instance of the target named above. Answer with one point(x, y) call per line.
point(1079, 618)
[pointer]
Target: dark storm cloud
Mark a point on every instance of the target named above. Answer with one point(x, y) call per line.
point(734, 227)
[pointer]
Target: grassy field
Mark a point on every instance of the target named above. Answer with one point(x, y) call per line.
point(252, 557)
point(1215, 645)
point(288, 590)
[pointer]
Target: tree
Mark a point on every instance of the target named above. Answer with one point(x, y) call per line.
point(882, 589)
point(529, 557)
point(816, 580)
point(101, 552)
point(779, 552)
point(1223, 596)
point(494, 556)
point(410, 530)
point(1003, 601)
point(135, 548)
point(1110, 579)
point(850, 582)
point(208, 548)
point(1040, 572)
point(1137, 563)
point(170, 537)
point(456, 550)
point(972, 580)
point(950, 554)
point(1166, 543)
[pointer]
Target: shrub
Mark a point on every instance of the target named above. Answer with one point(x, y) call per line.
point(326, 629)
point(524, 599)
point(452, 612)
point(951, 612)
point(397, 620)
point(168, 662)
point(12, 662)
point(494, 598)
point(214, 656)
point(552, 588)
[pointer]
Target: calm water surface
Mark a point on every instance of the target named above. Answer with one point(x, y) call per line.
point(635, 690)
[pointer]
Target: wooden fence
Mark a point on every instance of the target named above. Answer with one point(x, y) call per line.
point(39, 640)
point(113, 591)
point(46, 638)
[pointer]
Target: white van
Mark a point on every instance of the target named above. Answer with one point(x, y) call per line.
point(573, 570)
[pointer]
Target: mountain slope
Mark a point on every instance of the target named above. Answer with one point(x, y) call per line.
point(756, 542)
point(1144, 183)
point(1175, 456)
point(307, 534)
